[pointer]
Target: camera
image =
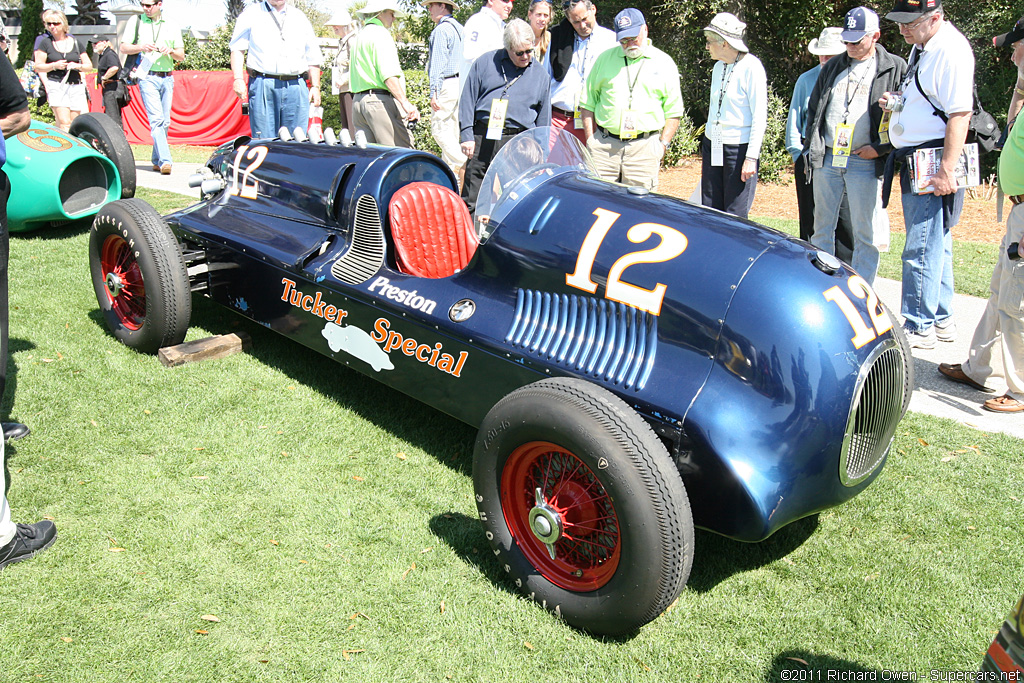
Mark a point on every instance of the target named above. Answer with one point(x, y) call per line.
point(245, 108)
point(893, 102)
point(1013, 252)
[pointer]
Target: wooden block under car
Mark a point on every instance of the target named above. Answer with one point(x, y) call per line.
point(204, 349)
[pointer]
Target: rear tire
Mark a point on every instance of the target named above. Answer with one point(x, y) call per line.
point(139, 276)
point(107, 138)
point(623, 530)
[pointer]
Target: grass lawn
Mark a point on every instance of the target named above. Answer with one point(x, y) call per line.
point(273, 516)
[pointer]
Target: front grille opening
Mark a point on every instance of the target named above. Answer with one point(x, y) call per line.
point(84, 185)
point(876, 410)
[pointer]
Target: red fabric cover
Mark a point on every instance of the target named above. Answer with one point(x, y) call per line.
point(432, 229)
point(205, 110)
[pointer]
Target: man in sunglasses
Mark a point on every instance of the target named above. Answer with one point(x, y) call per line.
point(843, 146)
point(506, 92)
point(159, 43)
point(932, 109)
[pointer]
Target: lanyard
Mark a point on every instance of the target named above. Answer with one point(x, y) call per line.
point(583, 61)
point(849, 98)
point(508, 83)
point(721, 93)
point(635, 79)
point(279, 24)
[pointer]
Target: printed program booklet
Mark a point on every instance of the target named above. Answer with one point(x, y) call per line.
point(925, 162)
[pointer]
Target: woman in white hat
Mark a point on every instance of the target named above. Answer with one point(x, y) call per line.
point(737, 117)
point(344, 27)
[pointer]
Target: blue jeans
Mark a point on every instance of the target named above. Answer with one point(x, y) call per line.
point(928, 259)
point(274, 104)
point(864, 190)
point(157, 93)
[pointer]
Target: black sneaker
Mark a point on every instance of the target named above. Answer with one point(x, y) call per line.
point(29, 540)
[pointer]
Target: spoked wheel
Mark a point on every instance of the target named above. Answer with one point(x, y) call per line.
point(139, 276)
point(107, 138)
point(582, 505)
point(563, 515)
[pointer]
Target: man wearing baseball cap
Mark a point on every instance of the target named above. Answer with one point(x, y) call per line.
point(631, 105)
point(108, 68)
point(824, 47)
point(844, 149)
point(940, 77)
point(997, 349)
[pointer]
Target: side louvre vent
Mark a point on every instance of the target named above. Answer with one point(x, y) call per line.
point(600, 338)
point(366, 255)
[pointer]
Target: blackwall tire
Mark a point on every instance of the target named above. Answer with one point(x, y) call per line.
point(107, 138)
point(139, 276)
point(607, 482)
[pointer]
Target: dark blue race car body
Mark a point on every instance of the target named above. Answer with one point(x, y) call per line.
point(770, 372)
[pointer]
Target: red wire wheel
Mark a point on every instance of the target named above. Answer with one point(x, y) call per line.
point(574, 512)
point(125, 286)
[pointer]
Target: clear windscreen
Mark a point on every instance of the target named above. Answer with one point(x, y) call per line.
point(525, 163)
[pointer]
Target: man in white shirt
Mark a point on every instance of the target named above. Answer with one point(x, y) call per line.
point(940, 73)
point(483, 32)
point(588, 43)
point(282, 52)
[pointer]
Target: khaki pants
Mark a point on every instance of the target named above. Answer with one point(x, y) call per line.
point(377, 115)
point(997, 349)
point(444, 125)
point(631, 162)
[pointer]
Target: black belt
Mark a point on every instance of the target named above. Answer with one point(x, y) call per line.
point(1016, 198)
point(480, 128)
point(161, 74)
point(563, 112)
point(638, 136)
point(277, 77)
point(376, 91)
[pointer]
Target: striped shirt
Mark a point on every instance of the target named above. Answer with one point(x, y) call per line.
point(445, 53)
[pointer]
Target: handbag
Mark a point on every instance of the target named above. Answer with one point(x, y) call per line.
point(130, 64)
point(983, 128)
point(122, 95)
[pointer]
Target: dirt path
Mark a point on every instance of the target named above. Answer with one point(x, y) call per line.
point(977, 224)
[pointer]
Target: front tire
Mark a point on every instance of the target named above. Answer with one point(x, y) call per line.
point(139, 276)
point(107, 138)
point(584, 508)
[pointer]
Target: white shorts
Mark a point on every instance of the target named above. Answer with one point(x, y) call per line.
point(70, 95)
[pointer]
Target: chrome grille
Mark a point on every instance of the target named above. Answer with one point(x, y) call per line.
point(366, 255)
point(603, 339)
point(877, 407)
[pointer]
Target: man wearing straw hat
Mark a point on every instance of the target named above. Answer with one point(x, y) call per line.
point(380, 108)
point(443, 74)
point(344, 28)
point(824, 47)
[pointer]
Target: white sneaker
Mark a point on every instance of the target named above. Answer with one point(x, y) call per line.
point(946, 330)
point(920, 340)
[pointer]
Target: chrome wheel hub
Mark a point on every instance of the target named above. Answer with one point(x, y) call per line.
point(114, 283)
point(545, 523)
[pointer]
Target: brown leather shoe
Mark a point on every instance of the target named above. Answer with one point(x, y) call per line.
point(956, 373)
point(1003, 404)
point(165, 169)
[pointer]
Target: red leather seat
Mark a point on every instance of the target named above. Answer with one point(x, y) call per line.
point(432, 229)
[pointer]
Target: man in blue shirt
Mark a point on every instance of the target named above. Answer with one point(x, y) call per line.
point(506, 92)
point(824, 47)
point(443, 74)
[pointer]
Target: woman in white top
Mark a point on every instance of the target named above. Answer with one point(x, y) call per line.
point(62, 58)
point(737, 116)
point(345, 28)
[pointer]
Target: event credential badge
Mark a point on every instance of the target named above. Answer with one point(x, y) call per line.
point(496, 122)
point(627, 125)
point(841, 142)
point(717, 151)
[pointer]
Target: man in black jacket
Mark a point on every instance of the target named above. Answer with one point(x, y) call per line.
point(846, 140)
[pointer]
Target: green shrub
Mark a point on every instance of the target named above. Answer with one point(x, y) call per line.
point(774, 157)
point(215, 55)
point(685, 143)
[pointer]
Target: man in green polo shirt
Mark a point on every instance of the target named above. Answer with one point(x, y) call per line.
point(997, 349)
point(631, 105)
point(380, 107)
point(159, 43)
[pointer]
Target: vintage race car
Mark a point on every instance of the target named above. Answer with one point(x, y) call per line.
point(635, 365)
point(1004, 660)
point(57, 177)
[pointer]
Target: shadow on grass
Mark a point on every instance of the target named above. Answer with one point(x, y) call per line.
point(442, 436)
point(716, 558)
point(800, 665)
point(56, 232)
